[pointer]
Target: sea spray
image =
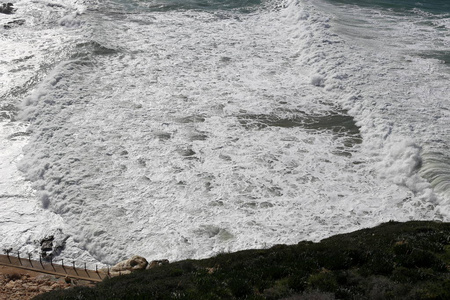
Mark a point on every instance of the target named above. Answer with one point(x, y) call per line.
point(183, 132)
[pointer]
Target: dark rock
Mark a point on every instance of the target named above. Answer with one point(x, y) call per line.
point(14, 23)
point(157, 263)
point(7, 8)
point(47, 244)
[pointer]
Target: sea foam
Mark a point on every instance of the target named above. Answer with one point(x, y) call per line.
point(184, 134)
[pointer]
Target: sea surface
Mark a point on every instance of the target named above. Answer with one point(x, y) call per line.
point(186, 128)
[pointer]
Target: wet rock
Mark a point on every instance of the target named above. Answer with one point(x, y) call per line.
point(47, 244)
point(7, 8)
point(14, 23)
point(52, 245)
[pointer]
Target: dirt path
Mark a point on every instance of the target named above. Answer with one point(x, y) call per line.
point(23, 279)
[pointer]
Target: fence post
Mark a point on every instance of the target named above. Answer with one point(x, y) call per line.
point(7, 254)
point(29, 259)
point(40, 260)
point(96, 271)
point(73, 263)
point(85, 269)
point(62, 264)
point(51, 262)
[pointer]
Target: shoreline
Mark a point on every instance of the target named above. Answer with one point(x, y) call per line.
point(409, 260)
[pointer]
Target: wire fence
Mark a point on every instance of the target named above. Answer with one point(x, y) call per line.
point(74, 269)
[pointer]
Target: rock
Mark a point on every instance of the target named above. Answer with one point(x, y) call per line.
point(13, 276)
point(33, 288)
point(47, 244)
point(55, 286)
point(52, 245)
point(127, 266)
point(45, 278)
point(6, 8)
point(14, 23)
point(45, 289)
point(157, 263)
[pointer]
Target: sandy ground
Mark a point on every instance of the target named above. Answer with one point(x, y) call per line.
point(20, 284)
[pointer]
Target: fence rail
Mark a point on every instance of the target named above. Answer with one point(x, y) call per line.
point(53, 268)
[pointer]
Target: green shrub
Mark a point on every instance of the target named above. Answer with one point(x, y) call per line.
point(379, 264)
point(323, 281)
point(402, 248)
point(298, 280)
point(411, 275)
point(433, 291)
point(418, 258)
point(279, 290)
point(391, 261)
point(240, 287)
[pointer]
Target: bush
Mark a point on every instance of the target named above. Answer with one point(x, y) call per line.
point(433, 291)
point(391, 261)
point(323, 281)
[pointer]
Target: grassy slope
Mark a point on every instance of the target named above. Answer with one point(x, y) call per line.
point(391, 261)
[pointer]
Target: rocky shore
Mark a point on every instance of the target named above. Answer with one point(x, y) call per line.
point(392, 261)
point(23, 281)
point(19, 284)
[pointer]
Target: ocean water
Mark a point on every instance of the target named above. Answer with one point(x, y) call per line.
point(182, 129)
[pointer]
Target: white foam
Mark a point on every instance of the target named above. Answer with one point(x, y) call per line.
point(144, 151)
point(28, 51)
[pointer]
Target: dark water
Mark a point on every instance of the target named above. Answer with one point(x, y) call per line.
point(431, 6)
point(166, 5)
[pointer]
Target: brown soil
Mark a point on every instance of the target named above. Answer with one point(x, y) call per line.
point(20, 284)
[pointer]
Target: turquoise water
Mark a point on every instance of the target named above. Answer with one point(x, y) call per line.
point(418, 28)
point(432, 6)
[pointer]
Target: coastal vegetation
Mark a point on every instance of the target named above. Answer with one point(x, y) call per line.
point(391, 261)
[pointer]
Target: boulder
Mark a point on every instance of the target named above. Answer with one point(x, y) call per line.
point(157, 263)
point(127, 266)
point(6, 8)
point(11, 25)
point(47, 245)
